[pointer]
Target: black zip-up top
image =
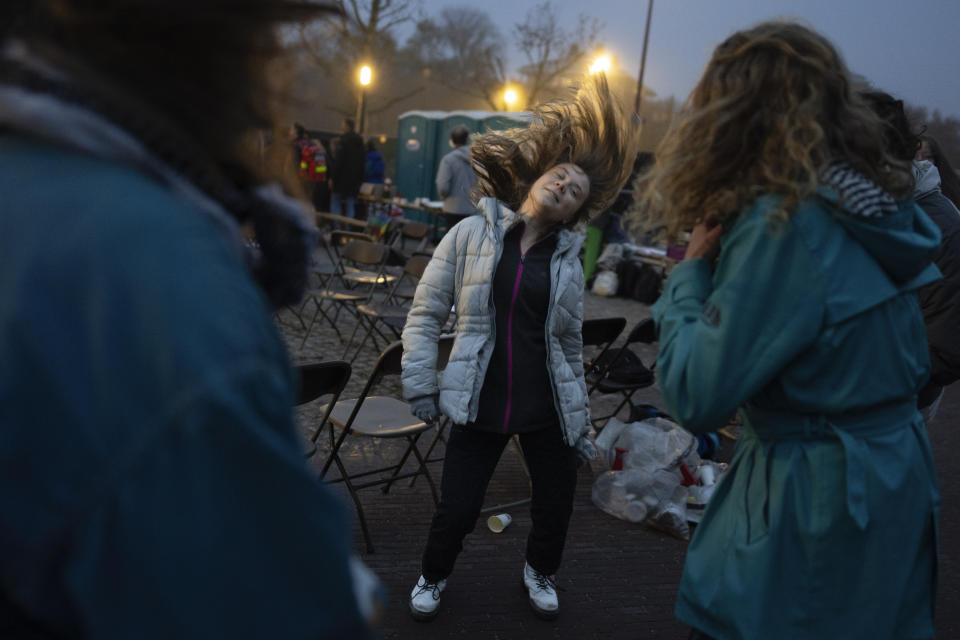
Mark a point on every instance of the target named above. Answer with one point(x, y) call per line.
point(517, 395)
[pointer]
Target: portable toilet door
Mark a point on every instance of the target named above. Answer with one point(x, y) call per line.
point(416, 154)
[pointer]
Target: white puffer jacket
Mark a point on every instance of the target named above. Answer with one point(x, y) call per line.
point(461, 273)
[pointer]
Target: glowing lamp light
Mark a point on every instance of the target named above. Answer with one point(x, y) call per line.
point(366, 74)
point(510, 97)
point(601, 64)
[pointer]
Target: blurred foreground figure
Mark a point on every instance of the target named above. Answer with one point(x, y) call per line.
point(153, 484)
point(797, 304)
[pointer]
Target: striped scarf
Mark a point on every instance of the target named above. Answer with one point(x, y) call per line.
point(857, 193)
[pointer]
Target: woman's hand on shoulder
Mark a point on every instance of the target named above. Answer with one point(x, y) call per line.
point(704, 241)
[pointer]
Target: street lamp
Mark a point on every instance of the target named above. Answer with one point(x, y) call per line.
point(601, 64)
point(643, 64)
point(510, 98)
point(366, 75)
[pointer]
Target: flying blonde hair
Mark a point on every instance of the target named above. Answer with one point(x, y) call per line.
point(588, 130)
point(774, 107)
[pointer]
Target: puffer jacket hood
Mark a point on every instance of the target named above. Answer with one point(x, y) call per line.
point(927, 178)
point(899, 236)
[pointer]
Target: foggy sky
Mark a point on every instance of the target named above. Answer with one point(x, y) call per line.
point(908, 49)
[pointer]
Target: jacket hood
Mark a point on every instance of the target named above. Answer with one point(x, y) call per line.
point(462, 154)
point(927, 178)
point(899, 236)
point(495, 212)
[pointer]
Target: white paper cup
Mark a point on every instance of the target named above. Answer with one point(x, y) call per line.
point(499, 522)
point(707, 476)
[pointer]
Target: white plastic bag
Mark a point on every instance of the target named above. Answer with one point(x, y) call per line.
point(636, 495)
point(605, 284)
point(649, 487)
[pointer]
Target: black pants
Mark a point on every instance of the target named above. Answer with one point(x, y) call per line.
point(469, 463)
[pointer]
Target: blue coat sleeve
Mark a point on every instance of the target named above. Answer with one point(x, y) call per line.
point(722, 339)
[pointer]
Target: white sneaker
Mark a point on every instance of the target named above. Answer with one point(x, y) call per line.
point(425, 599)
point(542, 590)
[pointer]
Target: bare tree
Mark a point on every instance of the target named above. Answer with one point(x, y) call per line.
point(551, 51)
point(462, 50)
point(363, 33)
point(944, 129)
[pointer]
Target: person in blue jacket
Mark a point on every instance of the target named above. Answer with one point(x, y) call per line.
point(796, 303)
point(153, 482)
point(373, 166)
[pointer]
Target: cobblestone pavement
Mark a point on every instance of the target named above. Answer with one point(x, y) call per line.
point(618, 580)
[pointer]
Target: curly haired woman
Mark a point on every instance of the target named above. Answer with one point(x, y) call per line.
point(796, 303)
point(514, 276)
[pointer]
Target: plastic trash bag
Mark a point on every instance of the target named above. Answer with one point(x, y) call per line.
point(649, 487)
point(653, 443)
point(605, 284)
point(636, 495)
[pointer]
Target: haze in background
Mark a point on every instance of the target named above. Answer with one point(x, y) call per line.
point(907, 49)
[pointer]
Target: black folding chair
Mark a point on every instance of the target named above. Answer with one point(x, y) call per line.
point(382, 417)
point(324, 269)
point(620, 370)
point(359, 272)
point(598, 334)
point(404, 230)
point(390, 314)
point(317, 380)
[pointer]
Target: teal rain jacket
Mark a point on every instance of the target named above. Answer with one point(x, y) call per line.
point(153, 485)
point(825, 524)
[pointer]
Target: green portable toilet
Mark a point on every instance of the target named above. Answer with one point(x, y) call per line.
point(423, 139)
point(416, 152)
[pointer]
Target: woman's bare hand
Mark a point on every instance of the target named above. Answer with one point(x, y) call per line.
point(704, 241)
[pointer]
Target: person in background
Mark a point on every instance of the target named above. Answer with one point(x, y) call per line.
point(320, 195)
point(456, 178)
point(310, 158)
point(940, 300)
point(931, 150)
point(346, 174)
point(374, 166)
point(516, 367)
point(797, 302)
point(154, 485)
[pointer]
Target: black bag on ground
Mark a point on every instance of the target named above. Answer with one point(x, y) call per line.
point(638, 281)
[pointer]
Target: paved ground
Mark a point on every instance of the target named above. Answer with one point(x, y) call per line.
point(618, 579)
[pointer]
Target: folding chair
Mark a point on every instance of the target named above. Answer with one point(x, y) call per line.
point(607, 378)
point(324, 269)
point(381, 417)
point(359, 272)
point(331, 247)
point(418, 232)
point(317, 380)
point(389, 313)
point(599, 334)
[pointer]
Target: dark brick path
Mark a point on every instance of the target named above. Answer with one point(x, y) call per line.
point(618, 579)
